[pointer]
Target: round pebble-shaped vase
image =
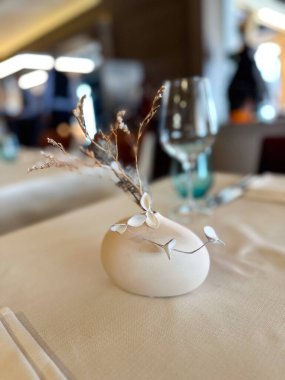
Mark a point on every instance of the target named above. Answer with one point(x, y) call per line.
point(140, 267)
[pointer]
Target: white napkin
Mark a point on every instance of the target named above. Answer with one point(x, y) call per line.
point(21, 357)
point(267, 188)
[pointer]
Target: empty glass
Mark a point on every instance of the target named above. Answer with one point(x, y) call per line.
point(188, 125)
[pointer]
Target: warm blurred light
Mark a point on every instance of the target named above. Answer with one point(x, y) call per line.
point(74, 65)
point(88, 108)
point(63, 130)
point(45, 62)
point(176, 120)
point(36, 61)
point(267, 58)
point(26, 61)
point(33, 79)
point(272, 18)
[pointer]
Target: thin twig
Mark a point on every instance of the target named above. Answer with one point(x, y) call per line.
point(142, 125)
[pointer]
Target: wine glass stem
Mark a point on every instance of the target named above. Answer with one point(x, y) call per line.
point(189, 169)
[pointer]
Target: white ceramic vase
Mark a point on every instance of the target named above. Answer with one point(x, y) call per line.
point(143, 268)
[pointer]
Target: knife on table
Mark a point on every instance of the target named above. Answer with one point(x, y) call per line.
point(229, 194)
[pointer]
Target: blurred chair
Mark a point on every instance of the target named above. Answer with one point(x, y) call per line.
point(146, 156)
point(272, 157)
point(238, 147)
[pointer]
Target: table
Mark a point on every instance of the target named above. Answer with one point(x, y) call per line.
point(232, 327)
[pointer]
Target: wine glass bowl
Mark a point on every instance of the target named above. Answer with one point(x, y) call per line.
point(202, 178)
point(188, 124)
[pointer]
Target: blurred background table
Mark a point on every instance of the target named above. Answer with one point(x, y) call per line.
point(27, 198)
point(230, 328)
point(16, 170)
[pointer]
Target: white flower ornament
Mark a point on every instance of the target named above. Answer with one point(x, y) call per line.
point(149, 217)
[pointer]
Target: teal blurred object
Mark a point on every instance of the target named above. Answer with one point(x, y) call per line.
point(9, 147)
point(202, 177)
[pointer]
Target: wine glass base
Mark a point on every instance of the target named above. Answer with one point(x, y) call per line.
point(188, 212)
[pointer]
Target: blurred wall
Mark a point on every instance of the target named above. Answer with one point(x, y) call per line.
point(164, 34)
point(219, 40)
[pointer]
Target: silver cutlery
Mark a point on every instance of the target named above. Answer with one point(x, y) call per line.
point(229, 193)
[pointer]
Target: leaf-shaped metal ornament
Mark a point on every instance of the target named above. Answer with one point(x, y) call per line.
point(152, 219)
point(168, 247)
point(146, 201)
point(212, 236)
point(120, 228)
point(137, 220)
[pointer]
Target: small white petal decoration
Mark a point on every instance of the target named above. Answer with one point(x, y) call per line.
point(120, 228)
point(146, 201)
point(137, 220)
point(211, 235)
point(152, 220)
point(168, 247)
point(171, 244)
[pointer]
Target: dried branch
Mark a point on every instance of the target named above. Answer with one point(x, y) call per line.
point(103, 150)
point(54, 163)
point(142, 126)
point(56, 145)
point(108, 145)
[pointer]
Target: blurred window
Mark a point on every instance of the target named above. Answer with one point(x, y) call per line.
point(267, 58)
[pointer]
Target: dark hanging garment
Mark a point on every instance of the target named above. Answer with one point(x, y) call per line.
point(247, 84)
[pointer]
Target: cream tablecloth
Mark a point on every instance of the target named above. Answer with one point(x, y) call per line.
point(232, 328)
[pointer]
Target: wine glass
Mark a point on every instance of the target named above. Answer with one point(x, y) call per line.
point(188, 125)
